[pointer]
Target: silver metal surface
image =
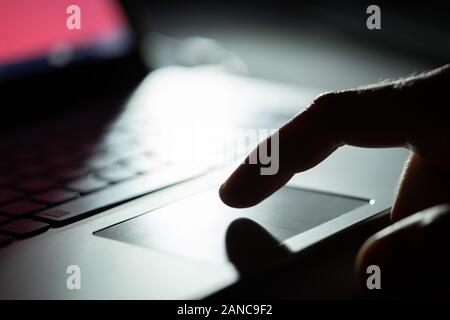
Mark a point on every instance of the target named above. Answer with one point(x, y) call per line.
point(36, 268)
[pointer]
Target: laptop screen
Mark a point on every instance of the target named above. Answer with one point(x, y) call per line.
point(39, 34)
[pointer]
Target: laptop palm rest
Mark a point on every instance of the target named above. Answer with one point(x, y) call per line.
point(197, 226)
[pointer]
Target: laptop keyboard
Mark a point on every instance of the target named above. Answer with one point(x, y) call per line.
point(66, 170)
point(69, 171)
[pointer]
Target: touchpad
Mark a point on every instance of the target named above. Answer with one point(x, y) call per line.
point(196, 226)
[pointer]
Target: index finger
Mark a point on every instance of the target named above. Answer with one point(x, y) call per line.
point(367, 117)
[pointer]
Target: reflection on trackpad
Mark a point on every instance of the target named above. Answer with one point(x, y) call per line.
point(196, 226)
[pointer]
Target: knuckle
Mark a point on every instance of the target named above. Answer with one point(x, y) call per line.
point(326, 98)
point(446, 69)
point(333, 103)
point(334, 98)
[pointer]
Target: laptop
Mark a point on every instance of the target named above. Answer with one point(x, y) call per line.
point(109, 173)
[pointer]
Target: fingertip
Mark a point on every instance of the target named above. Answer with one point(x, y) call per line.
point(376, 259)
point(371, 253)
point(410, 254)
point(226, 196)
point(231, 193)
point(235, 198)
point(421, 186)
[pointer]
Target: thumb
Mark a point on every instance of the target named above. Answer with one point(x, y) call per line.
point(412, 254)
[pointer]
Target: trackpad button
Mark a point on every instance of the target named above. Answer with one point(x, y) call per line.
point(197, 226)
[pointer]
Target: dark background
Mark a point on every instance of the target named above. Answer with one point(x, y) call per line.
point(322, 44)
point(278, 38)
point(313, 43)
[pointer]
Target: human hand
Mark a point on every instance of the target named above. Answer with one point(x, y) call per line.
point(414, 113)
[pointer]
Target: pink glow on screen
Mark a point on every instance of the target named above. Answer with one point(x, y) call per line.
point(30, 28)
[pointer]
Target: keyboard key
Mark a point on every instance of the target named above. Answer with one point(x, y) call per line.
point(36, 185)
point(3, 220)
point(113, 195)
point(23, 156)
point(5, 179)
point(71, 172)
point(8, 195)
point(55, 196)
point(87, 184)
point(24, 228)
point(29, 169)
point(116, 174)
point(4, 240)
point(101, 160)
point(61, 159)
point(143, 164)
point(20, 208)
